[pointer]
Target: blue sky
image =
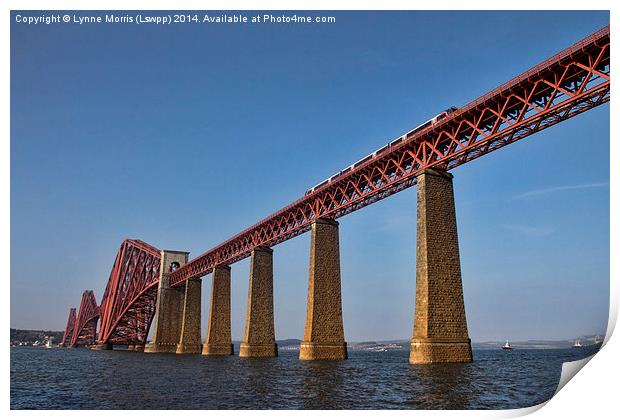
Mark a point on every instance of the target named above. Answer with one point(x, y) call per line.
point(183, 135)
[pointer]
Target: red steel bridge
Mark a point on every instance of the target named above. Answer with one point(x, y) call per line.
point(81, 330)
point(561, 87)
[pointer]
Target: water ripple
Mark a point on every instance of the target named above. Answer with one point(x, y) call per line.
point(84, 379)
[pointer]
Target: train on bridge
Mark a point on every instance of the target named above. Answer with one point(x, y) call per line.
point(390, 146)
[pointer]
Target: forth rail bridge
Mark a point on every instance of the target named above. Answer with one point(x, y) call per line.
point(148, 285)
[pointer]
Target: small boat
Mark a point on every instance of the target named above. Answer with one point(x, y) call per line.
point(49, 343)
point(577, 344)
point(507, 346)
point(597, 340)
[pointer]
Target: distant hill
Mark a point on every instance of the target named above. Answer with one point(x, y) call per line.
point(403, 344)
point(586, 340)
point(288, 342)
point(527, 344)
point(29, 337)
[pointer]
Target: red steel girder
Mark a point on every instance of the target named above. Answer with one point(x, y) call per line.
point(567, 84)
point(85, 331)
point(128, 304)
point(66, 337)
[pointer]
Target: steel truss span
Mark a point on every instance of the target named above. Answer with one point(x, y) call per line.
point(68, 335)
point(85, 330)
point(128, 304)
point(567, 84)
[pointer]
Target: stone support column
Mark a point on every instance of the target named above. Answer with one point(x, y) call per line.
point(169, 309)
point(440, 327)
point(106, 346)
point(190, 341)
point(324, 332)
point(259, 339)
point(219, 341)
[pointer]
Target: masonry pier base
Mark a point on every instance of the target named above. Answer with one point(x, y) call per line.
point(324, 331)
point(440, 327)
point(104, 346)
point(219, 341)
point(190, 341)
point(259, 339)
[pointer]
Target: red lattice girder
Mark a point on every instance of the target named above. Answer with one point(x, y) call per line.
point(128, 304)
point(567, 84)
point(85, 331)
point(66, 337)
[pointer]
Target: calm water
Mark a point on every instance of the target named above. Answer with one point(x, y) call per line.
point(85, 379)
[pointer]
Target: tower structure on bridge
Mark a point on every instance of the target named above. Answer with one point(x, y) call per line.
point(85, 330)
point(66, 337)
point(169, 307)
point(128, 303)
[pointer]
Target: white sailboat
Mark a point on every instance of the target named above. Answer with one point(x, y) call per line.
point(507, 346)
point(49, 343)
point(597, 340)
point(577, 344)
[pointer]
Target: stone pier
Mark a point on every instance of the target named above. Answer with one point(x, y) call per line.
point(105, 346)
point(219, 341)
point(324, 332)
point(259, 339)
point(440, 327)
point(190, 341)
point(169, 309)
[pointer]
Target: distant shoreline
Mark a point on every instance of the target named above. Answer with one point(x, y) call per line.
point(29, 337)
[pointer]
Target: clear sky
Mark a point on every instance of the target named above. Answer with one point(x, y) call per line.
point(183, 135)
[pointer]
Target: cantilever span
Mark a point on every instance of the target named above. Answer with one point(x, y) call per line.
point(66, 337)
point(148, 285)
point(567, 84)
point(128, 304)
point(85, 326)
